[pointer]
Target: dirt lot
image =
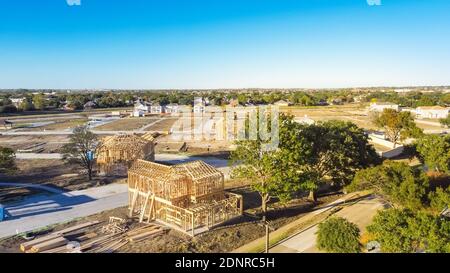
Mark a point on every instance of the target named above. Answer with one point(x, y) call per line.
point(220, 239)
point(51, 144)
point(60, 125)
point(354, 113)
point(127, 124)
point(163, 125)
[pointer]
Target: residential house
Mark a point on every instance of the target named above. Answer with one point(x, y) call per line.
point(89, 105)
point(381, 106)
point(16, 101)
point(156, 108)
point(171, 108)
point(199, 105)
point(142, 106)
point(433, 112)
point(233, 103)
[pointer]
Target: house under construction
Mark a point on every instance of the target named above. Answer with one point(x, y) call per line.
point(117, 153)
point(189, 197)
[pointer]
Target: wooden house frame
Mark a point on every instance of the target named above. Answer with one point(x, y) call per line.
point(189, 197)
point(117, 153)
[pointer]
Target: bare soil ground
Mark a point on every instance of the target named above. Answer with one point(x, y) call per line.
point(163, 125)
point(127, 124)
point(60, 125)
point(354, 113)
point(224, 238)
point(52, 144)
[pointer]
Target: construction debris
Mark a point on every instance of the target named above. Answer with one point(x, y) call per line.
point(116, 225)
point(116, 237)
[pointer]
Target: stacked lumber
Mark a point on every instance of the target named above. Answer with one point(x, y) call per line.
point(144, 233)
point(54, 241)
point(112, 242)
point(116, 225)
point(91, 242)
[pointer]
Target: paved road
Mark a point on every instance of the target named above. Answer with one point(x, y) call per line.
point(38, 156)
point(360, 213)
point(40, 211)
point(221, 164)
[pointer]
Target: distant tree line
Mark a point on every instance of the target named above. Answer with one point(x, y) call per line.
point(45, 99)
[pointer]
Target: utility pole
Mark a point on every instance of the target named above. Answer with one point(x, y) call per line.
point(268, 229)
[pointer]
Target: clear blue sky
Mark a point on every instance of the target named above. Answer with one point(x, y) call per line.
point(223, 43)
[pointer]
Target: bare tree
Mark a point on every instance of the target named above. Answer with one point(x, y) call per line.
point(81, 149)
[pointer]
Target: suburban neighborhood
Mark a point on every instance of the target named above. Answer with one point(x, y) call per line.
point(225, 135)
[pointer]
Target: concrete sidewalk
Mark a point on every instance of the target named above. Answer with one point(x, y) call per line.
point(40, 211)
point(360, 213)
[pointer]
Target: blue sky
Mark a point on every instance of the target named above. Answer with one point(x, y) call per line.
point(200, 44)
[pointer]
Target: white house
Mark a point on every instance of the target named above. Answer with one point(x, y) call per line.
point(156, 109)
point(138, 113)
point(380, 106)
point(199, 105)
point(171, 108)
point(17, 101)
point(434, 112)
point(142, 106)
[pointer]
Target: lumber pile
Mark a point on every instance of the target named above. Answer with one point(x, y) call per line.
point(112, 242)
point(113, 236)
point(53, 240)
point(115, 225)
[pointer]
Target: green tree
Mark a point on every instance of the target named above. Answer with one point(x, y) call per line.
point(39, 102)
point(7, 160)
point(397, 182)
point(26, 104)
point(329, 152)
point(397, 125)
point(434, 151)
point(82, 143)
point(439, 199)
point(402, 231)
point(337, 235)
point(270, 172)
point(445, 121)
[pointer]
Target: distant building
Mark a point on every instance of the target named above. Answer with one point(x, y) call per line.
point(282, 103)
point(138, 113)
point(199, 105)
point(233, 102)
point(142, 106)
point(89, 105)
point(336, 101)
point(380, 106)
point(171, 108)
point(433, 112)
point(16, 101)
point(156, 109)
